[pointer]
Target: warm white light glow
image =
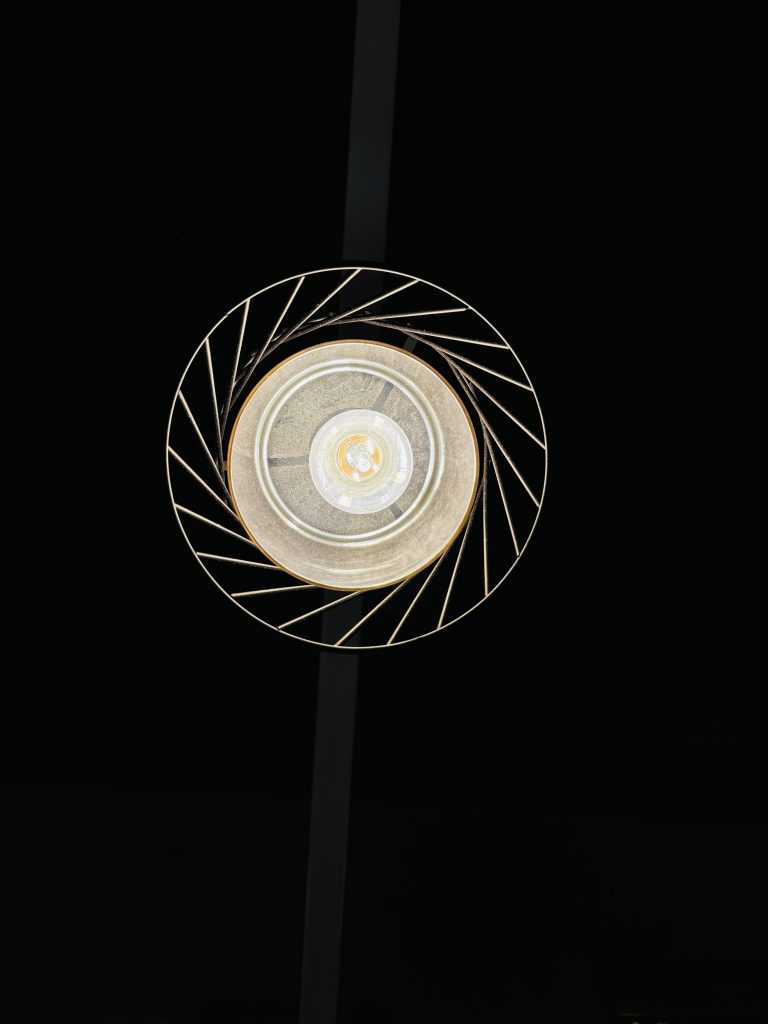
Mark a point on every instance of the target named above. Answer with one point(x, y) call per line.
point(360, 461)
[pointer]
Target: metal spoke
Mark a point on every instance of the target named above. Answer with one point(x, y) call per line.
point(322, 608)
point(372, 612)
point(218, 526)
point(272, 590)
point(415, 333)
point(255, 361)
point(517, 472)
point(426, 312)
point(347, 318)
point(374, 321)
point(467, 528)
point(316, 325)
point(454, 337)
point(206, 449)
point(287, 306)
point(236, 364)
point(487, 427)
point(421, 590)
point(506, 411)
point(239, 561)
point(503, 494)
point(215, 402)
point(369, 302)
point(485, 517)
point(203, 484)
point(479, 366)
point(320, 305)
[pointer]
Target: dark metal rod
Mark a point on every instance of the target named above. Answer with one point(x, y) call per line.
point(370, 129)
point(365, 232)
point(334, 743)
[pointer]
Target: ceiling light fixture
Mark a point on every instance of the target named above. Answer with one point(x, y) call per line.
point(353, 464)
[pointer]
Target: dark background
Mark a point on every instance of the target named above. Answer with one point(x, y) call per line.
point(550, 818)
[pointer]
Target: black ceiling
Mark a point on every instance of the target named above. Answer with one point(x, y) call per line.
point(543, 801)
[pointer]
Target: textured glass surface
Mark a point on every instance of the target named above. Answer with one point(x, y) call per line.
point(353, 464)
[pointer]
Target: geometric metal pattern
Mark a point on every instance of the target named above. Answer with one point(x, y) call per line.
point(401, 310)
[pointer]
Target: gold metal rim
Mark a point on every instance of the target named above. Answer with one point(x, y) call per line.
point(423, 566)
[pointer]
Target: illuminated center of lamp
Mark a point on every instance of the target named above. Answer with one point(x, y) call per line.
point(361, 461)
point(359, 456)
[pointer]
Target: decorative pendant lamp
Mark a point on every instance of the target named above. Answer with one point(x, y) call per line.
point(319, 449)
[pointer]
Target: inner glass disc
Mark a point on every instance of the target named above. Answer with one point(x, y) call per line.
point(353, 465)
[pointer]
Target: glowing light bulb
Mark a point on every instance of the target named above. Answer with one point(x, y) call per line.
point(359, 456)
point(360, 461)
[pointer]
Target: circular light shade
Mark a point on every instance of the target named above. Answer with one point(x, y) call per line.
point(353, 465)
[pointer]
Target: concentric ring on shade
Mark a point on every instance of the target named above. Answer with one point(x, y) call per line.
point(386, 405)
